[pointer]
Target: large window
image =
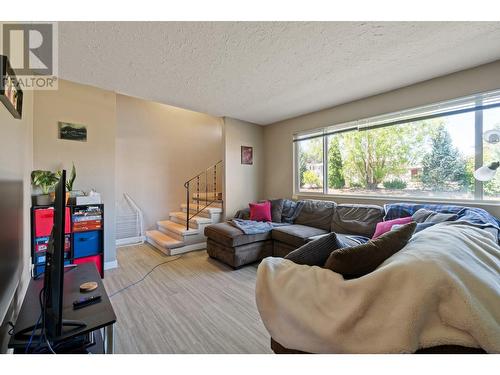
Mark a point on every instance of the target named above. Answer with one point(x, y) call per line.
point(428, 153)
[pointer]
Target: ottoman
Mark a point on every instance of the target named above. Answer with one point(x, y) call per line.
point(230, 245)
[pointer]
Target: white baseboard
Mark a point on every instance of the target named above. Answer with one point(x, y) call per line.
point(110, 265)
point(131, 241)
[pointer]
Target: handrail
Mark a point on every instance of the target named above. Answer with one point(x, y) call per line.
point(199, 174)
point(140, 217)
point(129, 222)
point(207, 203)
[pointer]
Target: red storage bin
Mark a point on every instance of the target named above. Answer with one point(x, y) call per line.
point(95, 259)
point(44, 221)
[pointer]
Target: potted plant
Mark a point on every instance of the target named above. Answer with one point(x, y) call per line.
point(44, 180)
point(69, 181)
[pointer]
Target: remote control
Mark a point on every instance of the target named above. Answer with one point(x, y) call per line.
point(85, 301)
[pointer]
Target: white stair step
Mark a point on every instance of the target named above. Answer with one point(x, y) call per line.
point(209, 203)
point(208, 196)
point(213, 208)
point(194, 222)
point(176, 228)
point(163, 240)
point(188, 248)
point(170, 246)
point(203, 213)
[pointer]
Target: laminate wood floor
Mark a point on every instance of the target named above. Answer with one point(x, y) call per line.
point(190, 305)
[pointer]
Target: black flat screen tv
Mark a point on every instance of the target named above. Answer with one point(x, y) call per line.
point(53, 279)
point(53, 282)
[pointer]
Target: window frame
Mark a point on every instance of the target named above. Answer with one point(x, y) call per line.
point(477, 104)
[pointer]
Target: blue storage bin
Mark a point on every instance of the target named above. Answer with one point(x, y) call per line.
point(39, 269)
point(40, 258)
point(39, 266)
point(87, 243)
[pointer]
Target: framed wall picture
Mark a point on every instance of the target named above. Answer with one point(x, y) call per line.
point(72, 132)
point(246, 155)
point(11, 94)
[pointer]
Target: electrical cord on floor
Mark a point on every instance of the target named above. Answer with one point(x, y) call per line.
point(32, 334)
point(11, 330)
point(142, 279)
point(48, 345)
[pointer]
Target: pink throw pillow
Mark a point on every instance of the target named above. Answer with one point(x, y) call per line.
point(260, 211)
point(386, 226)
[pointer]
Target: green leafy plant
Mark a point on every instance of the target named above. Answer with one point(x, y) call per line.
point(45, 180)
point(336, 178)
point(311, 179)
point(444, 168)
point(70, 180)
point(395, 184)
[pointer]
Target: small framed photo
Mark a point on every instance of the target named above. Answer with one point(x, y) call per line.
point(11, 94)
point(72, 132)
point(246, 155)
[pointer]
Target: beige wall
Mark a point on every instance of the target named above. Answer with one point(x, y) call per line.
point(94, 159)
point(278, 137)
point(243, 183)
point(158, 148)
point(16, 159)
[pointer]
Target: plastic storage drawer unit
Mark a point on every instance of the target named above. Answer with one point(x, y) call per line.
point(87, 243)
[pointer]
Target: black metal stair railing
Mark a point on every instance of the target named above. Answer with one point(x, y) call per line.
point(206, 182)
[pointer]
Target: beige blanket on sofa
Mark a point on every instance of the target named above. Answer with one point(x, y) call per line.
point(442, 288)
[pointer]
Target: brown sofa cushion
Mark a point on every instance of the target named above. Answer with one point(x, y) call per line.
point(360, 260)
point(357, 219)
point(295, 234)
point(228, 235)
point(316, 214)
point(276, 210)
point(243, 214)
point(318, 249)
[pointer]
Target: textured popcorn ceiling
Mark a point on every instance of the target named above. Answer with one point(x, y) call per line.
point(265, 72)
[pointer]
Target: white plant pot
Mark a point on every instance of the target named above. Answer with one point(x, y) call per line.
point(43, 200)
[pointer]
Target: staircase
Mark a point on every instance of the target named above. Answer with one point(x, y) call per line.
point(184, 229)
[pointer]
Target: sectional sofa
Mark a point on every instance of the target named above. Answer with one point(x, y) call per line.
point(232, 246)
point(315, 218)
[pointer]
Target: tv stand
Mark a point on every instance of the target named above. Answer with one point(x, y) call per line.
point(79, 322)
point(76, 324)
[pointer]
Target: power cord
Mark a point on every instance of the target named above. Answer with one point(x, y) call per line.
point(11, 330)
point(37, 322)
point(43, 335)
point(146, 275)
point(48, 344)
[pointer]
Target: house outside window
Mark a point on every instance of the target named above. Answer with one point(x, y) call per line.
point(428, 153)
